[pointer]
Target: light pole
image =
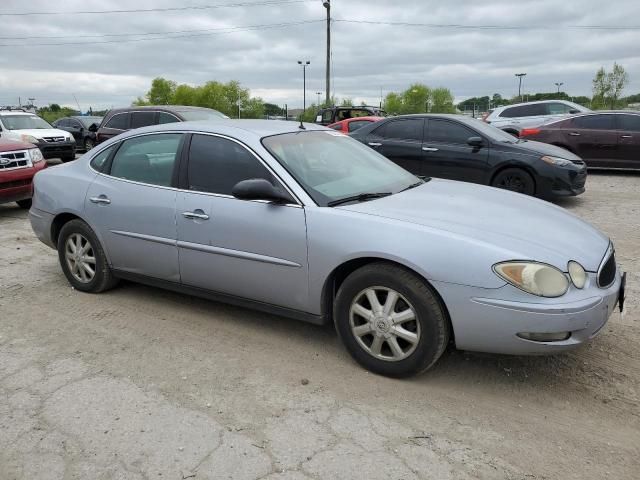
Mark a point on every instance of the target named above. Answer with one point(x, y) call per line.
point(520, 75)
point(318, 94)
point(559, 84)
point(327, 4)
point(304, 64)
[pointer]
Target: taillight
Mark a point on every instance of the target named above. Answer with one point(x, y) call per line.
point(529, 131)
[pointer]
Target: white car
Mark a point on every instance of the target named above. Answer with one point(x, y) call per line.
point(27, 127)
point(513, 118)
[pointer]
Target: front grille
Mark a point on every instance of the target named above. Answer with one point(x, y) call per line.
point(53, 139)
point(578, 162)
point(13, 155)
point(15, 183)
point(607, 272)
point(13, 160)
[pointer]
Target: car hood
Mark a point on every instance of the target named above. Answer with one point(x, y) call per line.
point(42, 132)
point(12, 145)
point(539, 149)
point(521, 227)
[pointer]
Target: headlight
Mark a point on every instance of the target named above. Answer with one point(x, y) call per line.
point(577, 273)
point(535, 278)
point(29, 139)
point(36, 155)
point(70, 139)
point(557, 161)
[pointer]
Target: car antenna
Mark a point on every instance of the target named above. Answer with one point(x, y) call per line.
point(301, 126)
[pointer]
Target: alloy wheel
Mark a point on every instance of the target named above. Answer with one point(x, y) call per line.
point(513, 183)
point(80, 258)
point(384, 324)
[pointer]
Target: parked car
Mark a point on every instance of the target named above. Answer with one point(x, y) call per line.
point(22, 126)
point(330, 115)
point(602, 139)
point(81, 129)
point(316, 226)
point(513, 118)
point(352, 124)
point(458, 147)
point(119, 120)
point(19, 162)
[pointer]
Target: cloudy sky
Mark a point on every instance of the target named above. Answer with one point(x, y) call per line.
point(109, 58)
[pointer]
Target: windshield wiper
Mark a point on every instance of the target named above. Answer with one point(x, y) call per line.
point(358, 198)
point(414, 185)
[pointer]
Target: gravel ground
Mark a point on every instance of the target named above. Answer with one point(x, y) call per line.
point(138, 383)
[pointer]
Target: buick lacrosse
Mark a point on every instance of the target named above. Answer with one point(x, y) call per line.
point(302, 221)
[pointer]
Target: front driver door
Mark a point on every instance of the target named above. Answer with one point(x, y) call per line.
point(131, 203)
point(249, 249)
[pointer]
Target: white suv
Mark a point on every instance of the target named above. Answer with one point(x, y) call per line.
point(26, 127)
point(513, 118)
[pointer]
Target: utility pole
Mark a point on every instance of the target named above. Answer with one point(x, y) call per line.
point(304, 64)
point(520, 75)
point(327, 96)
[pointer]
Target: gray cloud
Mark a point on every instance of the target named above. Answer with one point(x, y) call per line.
point(366, 58)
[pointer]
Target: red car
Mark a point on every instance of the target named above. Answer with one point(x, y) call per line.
point(352, 124)
point(19, 162)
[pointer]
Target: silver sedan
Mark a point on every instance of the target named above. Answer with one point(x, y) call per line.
point(305, 222)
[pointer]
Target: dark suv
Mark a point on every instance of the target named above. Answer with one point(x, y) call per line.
point(330, 115)
point(119, 120)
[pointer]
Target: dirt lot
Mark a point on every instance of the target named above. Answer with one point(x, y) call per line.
point(139, 383)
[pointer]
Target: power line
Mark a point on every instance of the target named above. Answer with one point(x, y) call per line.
point(491, 27)
point(167, 35)
point(145, 10)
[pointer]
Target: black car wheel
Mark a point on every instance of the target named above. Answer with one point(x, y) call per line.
point(390, 320)
point(26, 204)
point(516, 180)
point(82, 258)
point(68, 158)
point(89, 143)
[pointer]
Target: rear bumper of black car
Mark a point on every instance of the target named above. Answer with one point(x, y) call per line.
point(57, 149)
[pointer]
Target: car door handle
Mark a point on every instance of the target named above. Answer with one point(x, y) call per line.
point(429, 149)
point(374, 144)
point(101, 199)
point(626, 136)
point(194, 215)
point(574, 134)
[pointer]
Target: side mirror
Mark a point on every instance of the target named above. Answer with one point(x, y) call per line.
point(259, 189)
point(574, 111)
point(93, 128)
point(475, 141)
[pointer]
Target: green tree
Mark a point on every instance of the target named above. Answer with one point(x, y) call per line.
point(441, 101)
point(608, 87)
point(272, 110)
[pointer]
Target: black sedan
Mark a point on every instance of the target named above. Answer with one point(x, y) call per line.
point(80, 128)
point(463, 148)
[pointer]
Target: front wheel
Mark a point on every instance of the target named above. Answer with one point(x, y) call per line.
point(88, 144)
point(516, 180)
point(26, 203)
point(82, 258)
point(390, 320)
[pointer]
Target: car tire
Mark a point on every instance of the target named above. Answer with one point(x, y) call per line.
point(75, 235)
point(88, 144)
point(26, 203)
point(414, 312)
point(68, 158)
point(516, 180)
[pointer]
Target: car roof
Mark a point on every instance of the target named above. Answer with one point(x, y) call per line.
point(167, 108)
point(16, 112)
point(373, 118)
point(241, 129)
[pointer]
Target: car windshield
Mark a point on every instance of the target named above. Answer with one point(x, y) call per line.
point(204, 114)
point(24, 122)
point(492, 132)
point(88, 121)
point(331, 166)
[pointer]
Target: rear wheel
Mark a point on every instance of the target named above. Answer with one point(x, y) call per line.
point(88, 144)
point(390, 320)
point(516, 180)
point(82, 258)
point(68, 158)
point(26, 204)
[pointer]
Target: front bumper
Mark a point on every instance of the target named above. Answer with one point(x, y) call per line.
point(57, 149)
point(16, 184)
point(489, 320)
point(565, 182)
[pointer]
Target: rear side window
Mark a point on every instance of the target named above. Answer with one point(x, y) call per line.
point(327, 116)
point(217, 164)
point(630, 123)
point(410, 129)
point(558, 108)
point(444, 131)
point(142, 119)
point(118, 121)
point(525, 111)
point(336, 126)
point(147, 159)
point(98, 162)
point(595, 122)
point(165, 117)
